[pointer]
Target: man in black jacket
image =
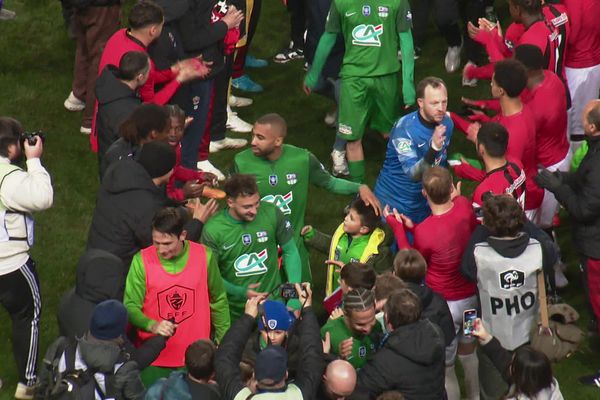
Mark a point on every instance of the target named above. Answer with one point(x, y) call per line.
point(116, 92)
point(271, 363)
point(579, 194)
point(411, 357)
point(130, 194)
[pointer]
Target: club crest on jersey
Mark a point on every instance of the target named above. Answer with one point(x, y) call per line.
point(383, 11)
point(246, 239)
point(512, 279)
point(251, 264)
point(362, 351)
point(261, 236)
point(408, 16)
point(291, 179)
point(366, 10)
point(273, 180)
point(195, 102)
point(366, 35)
point(282, 202)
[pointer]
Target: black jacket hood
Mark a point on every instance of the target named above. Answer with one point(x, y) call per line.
point(127, 175)
point(509, 248)
point(100, 276)
point(109, 88)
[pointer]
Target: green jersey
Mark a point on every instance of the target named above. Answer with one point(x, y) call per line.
point(370, 29)
point(247, 252)
point(285, 181)
point(362, 346)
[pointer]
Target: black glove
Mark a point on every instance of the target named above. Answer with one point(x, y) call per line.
point(548, 180)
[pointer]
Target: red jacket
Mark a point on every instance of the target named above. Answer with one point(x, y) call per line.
point(181, 174)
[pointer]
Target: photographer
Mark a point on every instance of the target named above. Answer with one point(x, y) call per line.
point(21, 192)
point(270, 371)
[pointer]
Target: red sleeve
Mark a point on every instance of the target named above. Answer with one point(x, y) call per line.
point(496, 47)
point(467, 171)
point(491, 104)
point(183, 174)
point(164, 75)
point(174, 192)
point(459, 122)
point(399, 234)
point(162, 96)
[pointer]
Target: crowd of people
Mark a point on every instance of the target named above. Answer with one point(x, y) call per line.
point(175, 298)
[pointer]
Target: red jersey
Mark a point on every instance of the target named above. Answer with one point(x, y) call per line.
point(522, 147)
point(508, 179)
point(548, 104)
point(181, 174)
point(584, 40)
point(443, 248)
point(544, 36)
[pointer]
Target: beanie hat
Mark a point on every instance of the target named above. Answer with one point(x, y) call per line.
point(108, 320)
point(271, 364)
point(277, 316)
point(157, 158)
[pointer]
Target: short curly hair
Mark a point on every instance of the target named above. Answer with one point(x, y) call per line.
point(503, 215)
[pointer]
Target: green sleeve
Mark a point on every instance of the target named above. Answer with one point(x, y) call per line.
point(324, 47)
point(292, 262)
point(333, 23)
point(408, 67)
point(234, 168)
point(219, 305)
point(283, 230)
point(135, 292)
point(403, 17)
point(578, 157)
point(319, 241)
point(320, 177)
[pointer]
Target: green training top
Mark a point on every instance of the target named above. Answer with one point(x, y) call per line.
point(135, 290)
point(362, 346)
point(370, 29)
point(349, 249)
point(285, 183)
point(246, 253)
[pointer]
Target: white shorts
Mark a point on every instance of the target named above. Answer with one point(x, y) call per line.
point(584, 85)
point(457, 308)
point(543, 216)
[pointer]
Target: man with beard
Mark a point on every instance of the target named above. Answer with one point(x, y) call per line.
point(283, 175)
point(417, 141)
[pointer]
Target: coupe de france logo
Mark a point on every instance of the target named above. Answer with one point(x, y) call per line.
point(273, 180)
point(176, 303)
point(251, 264)
point(367, 35)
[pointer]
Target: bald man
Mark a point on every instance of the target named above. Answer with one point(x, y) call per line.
point(338, 382)
point(579, 193)
point(283, 174)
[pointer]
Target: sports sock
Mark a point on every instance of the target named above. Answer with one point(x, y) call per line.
point(452, 388)
point(357, 171)
point(470, 364)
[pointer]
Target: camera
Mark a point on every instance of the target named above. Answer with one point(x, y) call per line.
point(288, 291)
point(32, 137)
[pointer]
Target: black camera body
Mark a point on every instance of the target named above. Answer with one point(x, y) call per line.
point(288, 291)
point(32, 137)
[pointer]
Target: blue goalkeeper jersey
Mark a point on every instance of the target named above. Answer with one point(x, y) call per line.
point(399, 182)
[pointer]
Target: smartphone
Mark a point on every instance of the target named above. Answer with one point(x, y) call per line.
point(469, 317)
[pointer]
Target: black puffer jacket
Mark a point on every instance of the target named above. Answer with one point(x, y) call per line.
point(127, 201)
point(411, 361)
point(116, 102)
point(435, 309)
point(580, 196)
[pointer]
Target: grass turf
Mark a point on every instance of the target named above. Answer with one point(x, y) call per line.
point(36, 62)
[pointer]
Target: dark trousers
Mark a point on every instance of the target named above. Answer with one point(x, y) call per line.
point(446, 16)
point(240, 54)
point(472, 11)
point(297, 10)
point(218, 120)
point(93, 27)
point(196, 106)
point(20, 296)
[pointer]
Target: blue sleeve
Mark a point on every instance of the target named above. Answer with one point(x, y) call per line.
point(412, 164)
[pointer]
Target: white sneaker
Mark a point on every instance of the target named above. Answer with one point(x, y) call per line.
point(331, 118)
point(72, 103)
point(559, 277)
point(227, 143)
point(7, 15)
point(206, 166)
point(452, 60)
point(340, 165)
point(85, 131)
point(236, 124)
point(465, 80)
point(24, 392)
point(235, 101)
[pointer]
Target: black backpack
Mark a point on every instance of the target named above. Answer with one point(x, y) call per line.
point(70, 384)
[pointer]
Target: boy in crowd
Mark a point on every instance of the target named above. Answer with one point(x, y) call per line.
point(358, 239)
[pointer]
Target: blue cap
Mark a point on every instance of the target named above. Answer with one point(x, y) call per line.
point(271, 364)
point(109, 320)
point(278, 317)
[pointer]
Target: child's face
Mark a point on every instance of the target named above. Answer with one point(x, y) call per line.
point(176, 131)
point(352, 223)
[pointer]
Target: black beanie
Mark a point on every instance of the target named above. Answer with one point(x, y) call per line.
point(109, 320)
point(157, 158)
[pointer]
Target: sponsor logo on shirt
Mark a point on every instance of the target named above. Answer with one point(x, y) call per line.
point(512, 279)
point(246, 239)
point(261, 236)
point(349, 14)
point(366, 35)
point(403, 146)
point(282, 202)
point(251, 264)
point(383, 11)
point(273, 180)
point(291, 179)
point(345, 129)
point(366, 10)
